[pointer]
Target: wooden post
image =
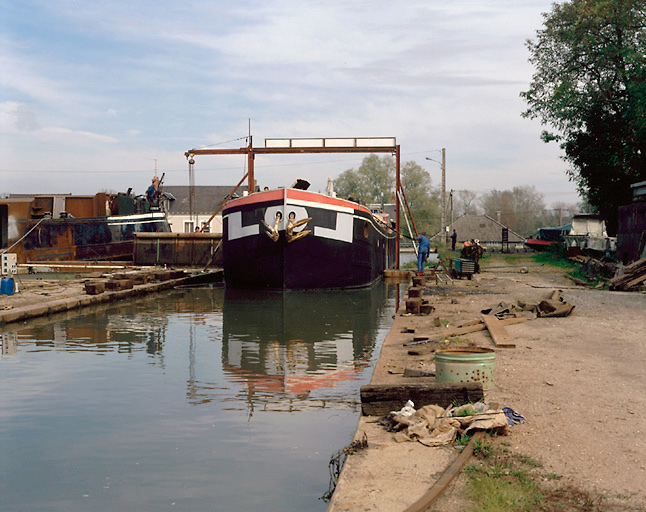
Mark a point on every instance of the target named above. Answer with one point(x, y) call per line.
point(397, 186)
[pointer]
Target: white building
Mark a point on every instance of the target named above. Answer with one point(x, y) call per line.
point(206, 201)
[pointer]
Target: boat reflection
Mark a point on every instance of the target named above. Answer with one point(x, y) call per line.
point(290, 346)
point(280, 350)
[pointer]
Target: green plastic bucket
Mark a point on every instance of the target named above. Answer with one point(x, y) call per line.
point(462, 365)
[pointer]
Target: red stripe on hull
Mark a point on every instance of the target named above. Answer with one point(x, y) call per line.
point(294, 194)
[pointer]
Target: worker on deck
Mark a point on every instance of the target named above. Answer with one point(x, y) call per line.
point(152, 193)
point(424, 250)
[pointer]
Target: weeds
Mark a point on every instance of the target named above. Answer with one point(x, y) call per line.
point(463, 440)
point(501, 482)
point(482, 448)
point(466, 412)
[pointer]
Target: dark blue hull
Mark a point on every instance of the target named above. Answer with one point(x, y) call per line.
point(346, 247)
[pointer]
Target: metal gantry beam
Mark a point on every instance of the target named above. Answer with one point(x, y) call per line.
point(312, 146)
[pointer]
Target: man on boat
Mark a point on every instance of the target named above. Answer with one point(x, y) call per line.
point(424, 250)
point(152, 193)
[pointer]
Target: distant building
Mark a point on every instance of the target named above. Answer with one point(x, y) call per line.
point(206, 200)
point(483, 228)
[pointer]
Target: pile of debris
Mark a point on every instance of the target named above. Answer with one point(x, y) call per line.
point(633, 277)
point(433, 425)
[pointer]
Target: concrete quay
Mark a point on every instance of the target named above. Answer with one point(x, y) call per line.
point(45, 297)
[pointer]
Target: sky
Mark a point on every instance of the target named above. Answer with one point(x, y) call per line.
point(96, 95)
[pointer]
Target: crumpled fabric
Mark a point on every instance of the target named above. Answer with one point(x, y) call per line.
point(433, 425)
point(513, 418)
point(553, 305)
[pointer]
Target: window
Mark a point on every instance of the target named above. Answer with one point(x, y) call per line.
point(189, 227)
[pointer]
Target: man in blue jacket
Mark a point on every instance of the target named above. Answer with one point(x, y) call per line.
point(424, 250)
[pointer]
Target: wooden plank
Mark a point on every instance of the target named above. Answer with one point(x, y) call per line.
point(635, 281)
point(469, 322)
point(380, 399)
point(498, 332)
point(451, 332)
point(634, 265)
point(468, 327)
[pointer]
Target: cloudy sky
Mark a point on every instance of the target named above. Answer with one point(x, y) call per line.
point(94, 94)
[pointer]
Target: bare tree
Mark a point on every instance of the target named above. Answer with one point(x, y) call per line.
point(464, 203)
point(520, 208)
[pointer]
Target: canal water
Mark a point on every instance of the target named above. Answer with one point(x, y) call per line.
point(200, 399)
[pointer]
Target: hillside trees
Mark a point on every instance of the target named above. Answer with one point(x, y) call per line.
point(590, 87)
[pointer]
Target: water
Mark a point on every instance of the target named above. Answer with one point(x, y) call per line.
point(197, 399)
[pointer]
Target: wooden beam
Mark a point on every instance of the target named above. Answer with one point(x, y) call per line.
point(380, 399)
point(468, 327)
point(498, 332)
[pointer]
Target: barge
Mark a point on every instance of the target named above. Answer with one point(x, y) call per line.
point(69, 228)
point(295, 239)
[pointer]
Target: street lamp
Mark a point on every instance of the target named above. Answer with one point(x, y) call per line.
point(443, 198)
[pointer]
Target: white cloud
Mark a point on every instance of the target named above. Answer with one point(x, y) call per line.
point(76, 134)
point(126, 79)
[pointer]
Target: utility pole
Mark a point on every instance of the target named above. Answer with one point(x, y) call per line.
point(443, 236)
point(443, 219)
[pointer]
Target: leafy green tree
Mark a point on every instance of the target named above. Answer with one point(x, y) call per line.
point(375, 178)
point(590, 87)
point(422, 198)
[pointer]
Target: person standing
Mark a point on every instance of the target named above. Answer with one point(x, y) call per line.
point(424, 250)
point(454, 237)
point(152, 193)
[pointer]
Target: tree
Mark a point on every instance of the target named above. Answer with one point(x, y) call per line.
point(464, 203)
point(590, 87)
point(422, 198)
point(376, 176)
point(520, 208)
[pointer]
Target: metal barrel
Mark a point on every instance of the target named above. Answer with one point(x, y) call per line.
point(6, 286)
point(462, 365)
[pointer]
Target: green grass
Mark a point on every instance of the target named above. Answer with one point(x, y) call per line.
point(466, 412)
point(463, 440)
point(501, 482)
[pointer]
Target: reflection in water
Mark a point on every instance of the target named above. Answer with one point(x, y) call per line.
point(287, 345)
point(149, 404)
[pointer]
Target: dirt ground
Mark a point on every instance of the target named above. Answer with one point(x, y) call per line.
point(579, 381)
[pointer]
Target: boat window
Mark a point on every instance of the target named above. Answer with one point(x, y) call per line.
point(366, 229)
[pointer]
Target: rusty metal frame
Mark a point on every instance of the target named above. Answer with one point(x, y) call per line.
point(251, 153)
